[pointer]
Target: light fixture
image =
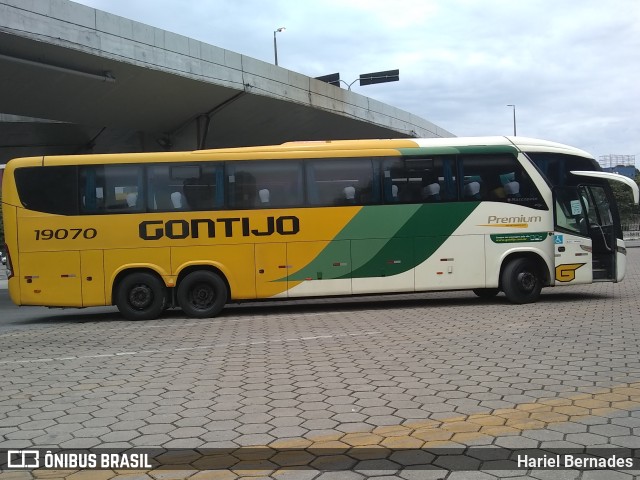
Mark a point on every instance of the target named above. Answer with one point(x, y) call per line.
point(275, 44)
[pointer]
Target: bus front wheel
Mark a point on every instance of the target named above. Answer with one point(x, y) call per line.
point(202, 294)
point(521, 281)
point(141, 296)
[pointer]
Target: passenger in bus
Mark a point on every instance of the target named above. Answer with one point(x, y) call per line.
point(497, 194)
point(198, 193)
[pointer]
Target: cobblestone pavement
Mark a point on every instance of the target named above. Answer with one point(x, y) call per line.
point(339, 389)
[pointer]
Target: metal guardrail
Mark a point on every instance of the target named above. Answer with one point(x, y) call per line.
point(631, 231)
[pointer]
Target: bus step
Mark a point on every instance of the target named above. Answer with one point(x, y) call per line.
point(601, 274)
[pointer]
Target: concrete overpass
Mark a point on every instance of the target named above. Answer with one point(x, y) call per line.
point(75, 79)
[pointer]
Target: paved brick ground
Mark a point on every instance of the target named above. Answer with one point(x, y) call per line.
point(316, 379)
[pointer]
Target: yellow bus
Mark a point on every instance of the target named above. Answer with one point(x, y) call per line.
point(197, 230)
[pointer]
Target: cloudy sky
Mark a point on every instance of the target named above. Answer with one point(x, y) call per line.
point(571, 67)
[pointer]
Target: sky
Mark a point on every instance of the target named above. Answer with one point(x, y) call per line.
point(570, 67)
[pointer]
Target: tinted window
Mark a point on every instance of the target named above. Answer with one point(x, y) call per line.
point(48, 189)
point(419, 180)
point(555, 167)
point(184, 187)
point(111, 189)
point(348, 181)
point(598, 207)
point(264, 184)
point(498, 178)
point(569, 212)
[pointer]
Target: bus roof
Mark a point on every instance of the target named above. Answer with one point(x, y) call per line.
point(312, 149)
point(522, 143)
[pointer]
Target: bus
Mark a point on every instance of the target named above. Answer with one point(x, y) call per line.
point(198, 230)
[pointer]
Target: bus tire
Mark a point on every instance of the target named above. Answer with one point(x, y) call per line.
point(521, 281)
point(202, 294)
point(141, 296)
point(486, 292)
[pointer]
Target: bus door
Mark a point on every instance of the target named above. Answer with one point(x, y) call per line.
point(573, 246)
point(601, 230)
point(603, 227)
point(585, 238)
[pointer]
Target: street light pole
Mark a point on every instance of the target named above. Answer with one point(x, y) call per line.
point(514, 118)
point(349, 84)
point(275, 44)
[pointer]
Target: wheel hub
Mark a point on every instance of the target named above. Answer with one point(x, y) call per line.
point(202, 296)
point(140, 296)
point(527, 281)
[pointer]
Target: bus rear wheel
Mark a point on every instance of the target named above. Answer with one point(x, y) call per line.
point(202, 294)
point(521, 281)
point(141, 296)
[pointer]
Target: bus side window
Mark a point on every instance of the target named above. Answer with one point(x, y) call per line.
point(349, 181)
point(112, 189)
point(269, 184)
point(160, 188)
point(184, 187)
point(419, 179)
point(49, 189)
point(502, 179)
point(123, 187)
point(200, 192)
point(92, 195)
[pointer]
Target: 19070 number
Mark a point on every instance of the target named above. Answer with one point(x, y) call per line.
point(64, 233)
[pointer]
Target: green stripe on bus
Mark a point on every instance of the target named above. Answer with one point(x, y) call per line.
point(423, 234)
point(379, 241)
point(379, 222)
point(460, 150)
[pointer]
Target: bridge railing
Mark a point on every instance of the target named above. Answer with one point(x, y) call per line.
point(631, 231)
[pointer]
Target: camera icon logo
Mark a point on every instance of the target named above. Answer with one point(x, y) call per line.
point(23, 458)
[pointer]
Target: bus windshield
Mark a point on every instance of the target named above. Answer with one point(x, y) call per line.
point(556, 167)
